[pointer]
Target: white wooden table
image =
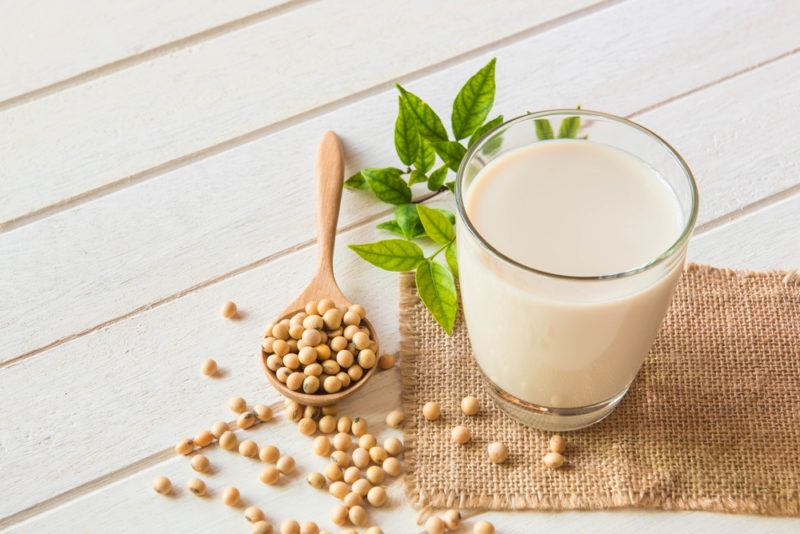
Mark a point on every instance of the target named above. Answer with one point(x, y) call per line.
point(156, 159)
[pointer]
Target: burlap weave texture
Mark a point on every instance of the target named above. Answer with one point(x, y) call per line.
point(712, 421)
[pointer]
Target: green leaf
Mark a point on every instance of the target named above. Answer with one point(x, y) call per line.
point(436, 180)
point(406, 137)
point(390, 226)
point(569, 128)
point(449, 214)
point(417, 177)
point(428, 123)
point(356, 182)
point(451, 152)
point(451, 186)
point(451, 255)
point(474, 101)
point(543, 129)
point(391, 254)
point(387, 185)
point(426, 156)
point(437, 225)
point(408, 219)
point(494, 123)
point(437, 289)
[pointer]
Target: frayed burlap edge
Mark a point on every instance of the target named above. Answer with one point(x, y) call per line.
point(428, 503)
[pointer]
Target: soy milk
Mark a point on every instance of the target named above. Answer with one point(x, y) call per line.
point(574, 208)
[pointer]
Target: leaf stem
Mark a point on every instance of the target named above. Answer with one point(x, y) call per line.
point(441, 249)
point(442, 189)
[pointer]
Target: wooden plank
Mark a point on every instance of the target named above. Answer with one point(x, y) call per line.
point(137, 393)
point(766, 239)
point(761, 241)
point(292, 498)
point(191, 225)
point(46, 41)
point(113, 128)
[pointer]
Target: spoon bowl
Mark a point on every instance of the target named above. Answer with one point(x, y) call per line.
point(330, 179)
point(320, 399)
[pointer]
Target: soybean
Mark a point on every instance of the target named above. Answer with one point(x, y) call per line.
point(285, 464)
point(269, 454)
point(200, 463)
point(553, 460)
point(162, 485)
point(359, 427)
point(558, 444)
point(262, 412)
point(321, 446)
point(209, 367)
point(316, 479)
point(203, 438)
point(307, 426)
point(290, 526)
point(237, 404)
point(394, 418)
point(452, 519)
point(269, 475)
point(470, 405)
point(254, 514)
point(245, 420)
point(262, 527)
point(248, 448)
point(338, 489)
point(228, 440)
point(219, 428)
point(377, 496)
point(358, 516)
point(375, 474)
point(392, 467)
point(228, 309)
point(184, 447)
point(498, 452)
point(230, 496)
point(196, 486)
point(386, 361)
point(434, 525)
point(431, 411)
point(460, 435)
point(327, 424)
point(339, 515)
point(393, 446)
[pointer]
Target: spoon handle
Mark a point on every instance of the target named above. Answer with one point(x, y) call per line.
point(330, 178)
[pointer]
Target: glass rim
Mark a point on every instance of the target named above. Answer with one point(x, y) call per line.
point(668, 253)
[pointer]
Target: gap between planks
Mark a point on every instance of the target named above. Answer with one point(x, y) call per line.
point(701, 229)
point(164, 454)
point(152, 53)
point(212, 150)
point(107, 479)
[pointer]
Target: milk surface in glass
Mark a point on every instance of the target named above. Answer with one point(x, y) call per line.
point(580, 209)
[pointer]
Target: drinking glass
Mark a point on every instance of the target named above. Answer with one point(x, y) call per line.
point(567, 360)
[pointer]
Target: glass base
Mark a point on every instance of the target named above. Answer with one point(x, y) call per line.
point(556, 419)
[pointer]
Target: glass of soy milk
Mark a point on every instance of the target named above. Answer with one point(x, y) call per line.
point(570, 247)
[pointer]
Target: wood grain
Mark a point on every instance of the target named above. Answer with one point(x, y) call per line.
point(115, 127)
point(142, 389)
point(181, 170)
point(163, 237)
point(101, 508)
point(46, 42)
point(292, 497)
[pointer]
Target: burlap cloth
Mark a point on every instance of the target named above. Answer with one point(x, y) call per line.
point(712, 421)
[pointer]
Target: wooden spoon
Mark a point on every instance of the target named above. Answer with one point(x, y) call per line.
point(330, 178)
